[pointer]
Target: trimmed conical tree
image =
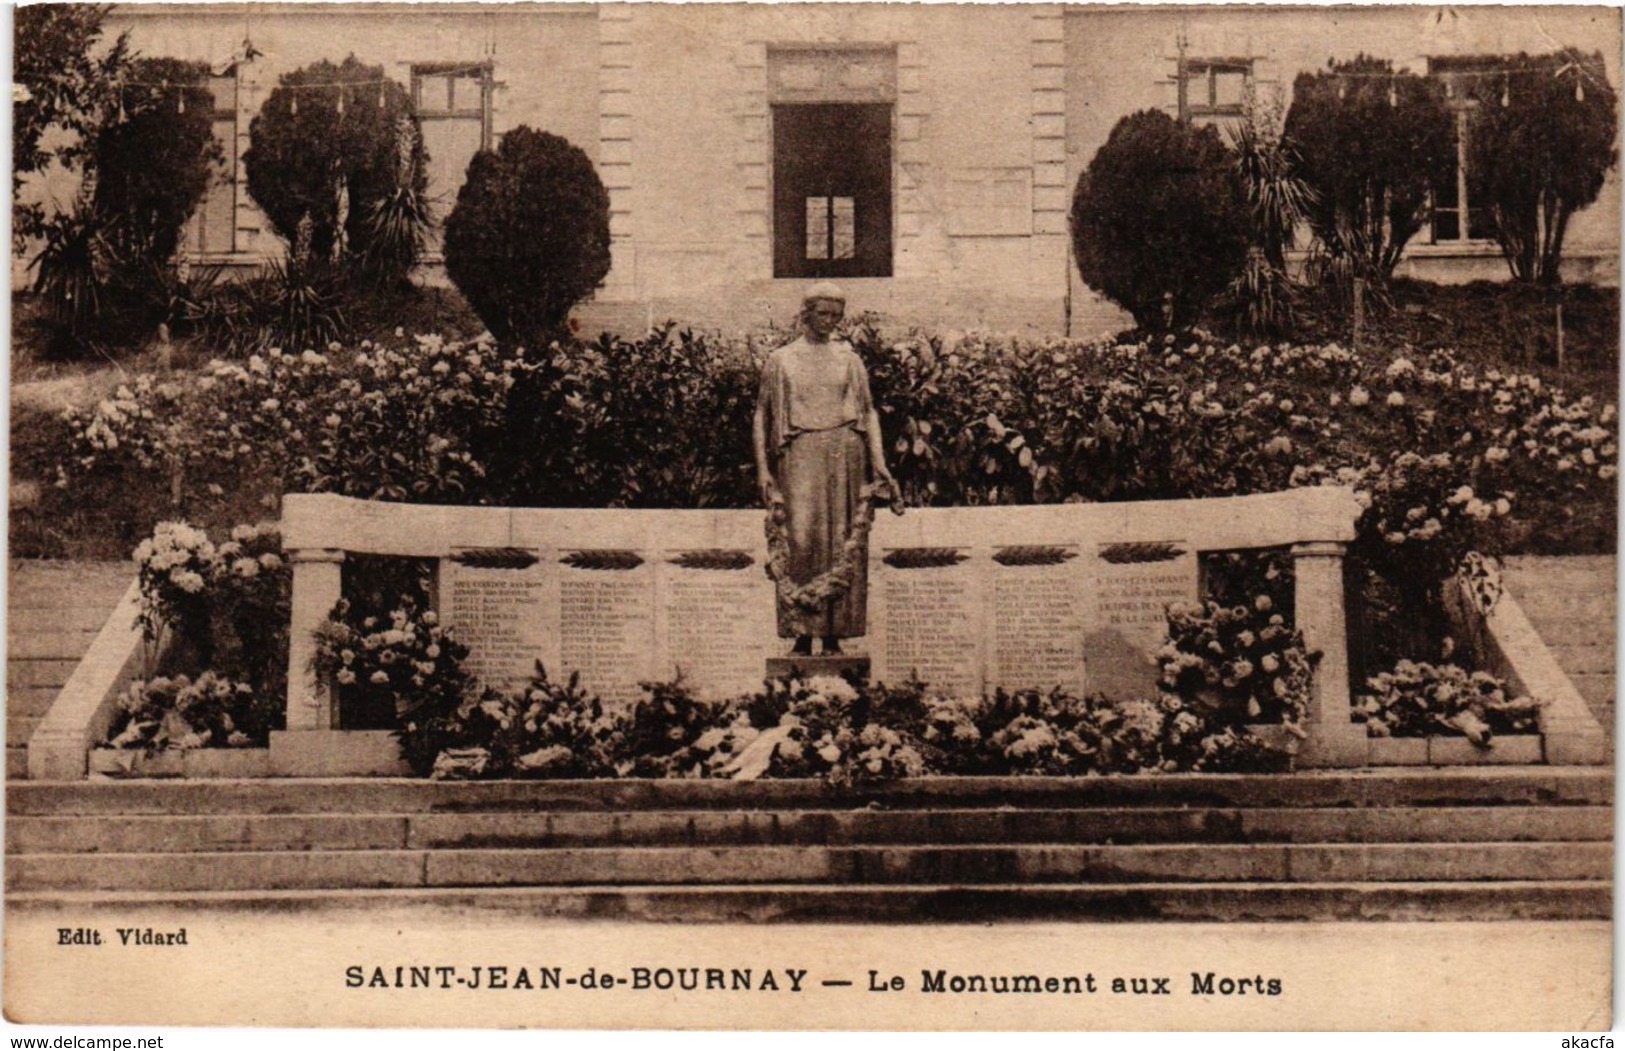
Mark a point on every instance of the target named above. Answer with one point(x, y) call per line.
point(529, 235)
point(1159, 219)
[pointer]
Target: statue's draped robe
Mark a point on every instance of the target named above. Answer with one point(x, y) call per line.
point(816, 404)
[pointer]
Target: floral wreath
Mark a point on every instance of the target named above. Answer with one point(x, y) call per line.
point(835, 581)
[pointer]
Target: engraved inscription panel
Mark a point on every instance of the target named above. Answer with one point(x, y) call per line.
point(1131, 596)
point(933, 628)
point(1038, 626)
point(499, 614)
point(606, 629)
point(718, 626)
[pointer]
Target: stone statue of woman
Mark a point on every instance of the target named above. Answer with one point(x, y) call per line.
point(820, 465)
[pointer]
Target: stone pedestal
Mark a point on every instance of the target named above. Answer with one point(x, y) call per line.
point(808, 667)
point(1334, 738)
point(336, 753)
point(316, 588)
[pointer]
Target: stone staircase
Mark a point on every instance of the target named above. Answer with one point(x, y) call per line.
point(54, 611)
point(1572, 601)
point(1488, 843)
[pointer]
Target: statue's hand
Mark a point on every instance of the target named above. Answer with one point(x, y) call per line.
point(769, 490)
point(894, 492)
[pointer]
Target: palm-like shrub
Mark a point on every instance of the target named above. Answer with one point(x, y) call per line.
point(1159, 219)
point(341, 145)
point(71, 273)
point(1277, 201)
point(1372, 143)
point(529, 235)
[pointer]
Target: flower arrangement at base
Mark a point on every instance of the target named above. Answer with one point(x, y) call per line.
point(173, 568)
point(559, 730)
point(1195, 738)
point(1224, 669)
point(1056, 732)
point(1417, 699)
point(1241, 662)
point(662, 733)
point(802, 723)
point(409, 662)
point(543, 730)
point(181, 713)
point(217, 614)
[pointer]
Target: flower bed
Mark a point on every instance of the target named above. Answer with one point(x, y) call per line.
point(1222, 669)
point(1453, 464)
point(971, 420)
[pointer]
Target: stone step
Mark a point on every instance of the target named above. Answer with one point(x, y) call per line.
point(30, 701)
point(1599, 690)
point(170, 834)
point(25, 674)
point(867, 903)
point(52, 646)
point(36, 584)
point(16, 762)
point(156, 834)
point(1497, 786)
point(1001, 863)
point(60, 620)
point(19, 728)
point(1590, 617)
point(1584, 659)
point(1557, 580)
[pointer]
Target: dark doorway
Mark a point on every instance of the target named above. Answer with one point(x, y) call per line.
point(832, 190)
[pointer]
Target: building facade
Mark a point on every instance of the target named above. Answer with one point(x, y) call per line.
point(922, 155)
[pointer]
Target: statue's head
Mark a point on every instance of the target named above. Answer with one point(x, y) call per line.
point(822, 308)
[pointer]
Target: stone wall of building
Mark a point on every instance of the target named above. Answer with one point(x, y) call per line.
point(994, 114)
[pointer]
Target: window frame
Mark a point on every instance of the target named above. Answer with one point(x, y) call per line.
point(1205, 73)
point(192, 246)
point(826, 74)
point(421, 71)
point(867, 261)
point(418, 74)
point(1457, 73)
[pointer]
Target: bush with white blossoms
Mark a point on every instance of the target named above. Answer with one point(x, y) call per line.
point(970, 418)
point(174, 568)
point(221, 611)
point(1418, 699)
point(181, 713)
point(1421, 523)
